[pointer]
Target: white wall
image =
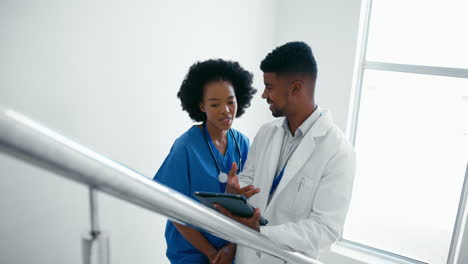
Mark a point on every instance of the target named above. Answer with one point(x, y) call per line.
point(330, 28)
point(105, 73)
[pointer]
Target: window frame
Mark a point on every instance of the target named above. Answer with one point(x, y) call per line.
point(361, 65)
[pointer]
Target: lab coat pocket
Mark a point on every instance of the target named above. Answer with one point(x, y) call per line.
point(306, 188)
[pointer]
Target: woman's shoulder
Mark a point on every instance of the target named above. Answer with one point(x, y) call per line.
point(240, 136)
point(188, 138)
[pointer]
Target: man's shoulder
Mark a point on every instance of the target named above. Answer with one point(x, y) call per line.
point(332, 134)
point(338, 141)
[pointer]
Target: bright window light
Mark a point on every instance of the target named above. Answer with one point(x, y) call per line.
point(419, 32)
point(412, 147)
point(411, 133)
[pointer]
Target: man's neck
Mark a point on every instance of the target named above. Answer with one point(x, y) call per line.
point(295, 120)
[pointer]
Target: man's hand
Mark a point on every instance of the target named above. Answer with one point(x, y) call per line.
point(234, 187)
point(251, 222)
point(225, 254)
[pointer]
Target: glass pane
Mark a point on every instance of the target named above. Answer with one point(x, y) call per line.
point(420, 32)
point(412, 149)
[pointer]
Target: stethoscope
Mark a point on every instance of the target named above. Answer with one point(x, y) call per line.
point(222, 177)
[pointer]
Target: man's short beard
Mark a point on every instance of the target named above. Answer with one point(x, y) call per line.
point(277, 113)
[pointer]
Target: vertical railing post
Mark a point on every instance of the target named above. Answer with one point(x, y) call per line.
point(94, 243)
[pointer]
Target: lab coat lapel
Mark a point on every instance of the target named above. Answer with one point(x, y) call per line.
point(270, 162)
point(295, 163)
point(303, 152)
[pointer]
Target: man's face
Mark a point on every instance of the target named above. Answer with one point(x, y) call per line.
point(276, 93)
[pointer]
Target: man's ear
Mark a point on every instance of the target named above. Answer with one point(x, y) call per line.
point(296, 86)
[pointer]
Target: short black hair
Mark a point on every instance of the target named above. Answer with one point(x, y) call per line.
point(201, 73)
point(292, 57)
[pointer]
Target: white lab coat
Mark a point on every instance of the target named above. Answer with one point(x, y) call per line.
point(308, 210)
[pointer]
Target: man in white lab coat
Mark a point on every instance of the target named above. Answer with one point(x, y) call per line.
point(301, 164)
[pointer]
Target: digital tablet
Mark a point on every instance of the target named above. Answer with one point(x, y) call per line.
point(236, 204)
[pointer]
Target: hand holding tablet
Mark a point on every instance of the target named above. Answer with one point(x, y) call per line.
point(237, 205)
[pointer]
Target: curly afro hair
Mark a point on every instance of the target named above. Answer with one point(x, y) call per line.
point(292, 57)
point(201, 73)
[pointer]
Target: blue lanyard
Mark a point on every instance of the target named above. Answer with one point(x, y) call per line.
point(280, 175)
point(277, 180)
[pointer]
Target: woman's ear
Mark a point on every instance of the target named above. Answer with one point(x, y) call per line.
point(202, 107)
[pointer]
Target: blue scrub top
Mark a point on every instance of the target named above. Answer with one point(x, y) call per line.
point(188, 168)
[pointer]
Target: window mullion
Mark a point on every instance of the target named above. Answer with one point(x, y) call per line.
point(418, 69)
point(359, 72)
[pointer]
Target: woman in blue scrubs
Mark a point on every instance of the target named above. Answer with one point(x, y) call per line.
point(214, 93)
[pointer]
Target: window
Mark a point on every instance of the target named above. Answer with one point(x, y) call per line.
point(410, 128)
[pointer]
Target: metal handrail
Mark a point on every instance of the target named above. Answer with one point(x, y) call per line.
point(33, 143)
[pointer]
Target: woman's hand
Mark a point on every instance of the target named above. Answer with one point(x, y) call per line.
point(225, 254)
point(213, 257)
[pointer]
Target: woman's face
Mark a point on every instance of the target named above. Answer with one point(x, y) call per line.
point(219, 103)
